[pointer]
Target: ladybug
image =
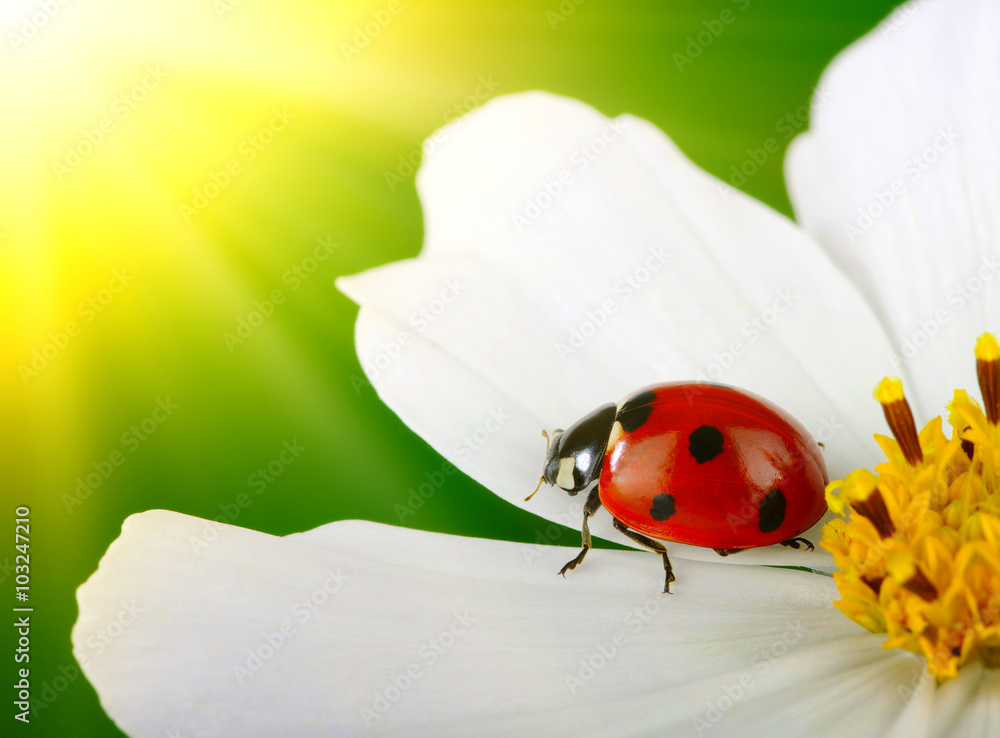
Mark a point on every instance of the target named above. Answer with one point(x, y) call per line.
point(692, 462)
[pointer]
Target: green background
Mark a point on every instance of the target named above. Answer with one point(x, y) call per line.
point(324, 175)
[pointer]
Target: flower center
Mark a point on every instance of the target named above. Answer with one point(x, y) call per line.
point(919, 551)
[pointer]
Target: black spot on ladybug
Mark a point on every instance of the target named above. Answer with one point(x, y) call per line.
point(663, 507)
point(705, 443)
point(636, 411)
point(771, 511)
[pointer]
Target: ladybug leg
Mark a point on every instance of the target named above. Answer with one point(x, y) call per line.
point(727, 551)
point(797, 543)
point(592, 505)
point(655, 546)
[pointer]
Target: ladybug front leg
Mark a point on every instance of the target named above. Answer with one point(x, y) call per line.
point(653, 545)
point(592, 505)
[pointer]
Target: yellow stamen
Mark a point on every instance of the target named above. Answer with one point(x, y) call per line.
point(921, 586)
point(919, 545)
point(874, 509)
point(988, 372)
point(897, 411)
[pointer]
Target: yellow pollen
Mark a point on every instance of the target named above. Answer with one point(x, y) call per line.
point(918, 546)
point(889, 390)
point(987, 348)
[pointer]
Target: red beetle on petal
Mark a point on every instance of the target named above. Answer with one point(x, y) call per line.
point(696, 463)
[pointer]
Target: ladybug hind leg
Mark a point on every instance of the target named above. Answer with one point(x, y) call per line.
point(654, 546)
point(592, 505)
point(727, 551)
point(798, 543)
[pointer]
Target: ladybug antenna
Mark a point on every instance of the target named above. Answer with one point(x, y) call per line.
point(540, 480)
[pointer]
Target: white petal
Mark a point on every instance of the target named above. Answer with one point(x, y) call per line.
point(844, 688)
point(915, 720)
point(913, 106)
point(962, 706)
point(438, 635)
point(975, 701)
point(661, 272)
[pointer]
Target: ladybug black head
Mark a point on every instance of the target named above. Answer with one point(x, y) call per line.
point(574, 457)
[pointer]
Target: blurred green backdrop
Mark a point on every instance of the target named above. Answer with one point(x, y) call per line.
point(166, 166)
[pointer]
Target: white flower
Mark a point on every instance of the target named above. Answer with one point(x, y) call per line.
point(569, 259)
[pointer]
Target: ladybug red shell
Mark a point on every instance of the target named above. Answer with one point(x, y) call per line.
point(696, 463)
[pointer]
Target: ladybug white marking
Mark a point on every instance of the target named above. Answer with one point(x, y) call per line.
point(565, 476)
